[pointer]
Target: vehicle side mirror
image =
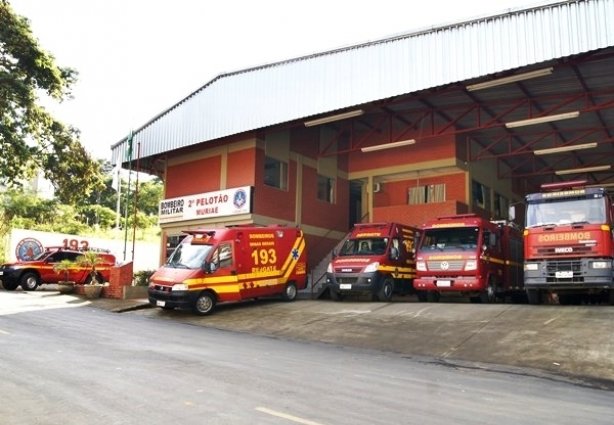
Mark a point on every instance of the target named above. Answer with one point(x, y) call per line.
point(334, 253)
point(511, 212)
point(208, 267)
point(394, 253)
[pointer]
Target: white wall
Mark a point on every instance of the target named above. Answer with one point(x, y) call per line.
point(146, 254)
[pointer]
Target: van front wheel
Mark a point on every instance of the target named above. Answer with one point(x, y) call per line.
point(386, 290)
point(290, 292)
point(204, 303)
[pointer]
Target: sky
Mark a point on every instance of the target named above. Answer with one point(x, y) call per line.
point(137, 58)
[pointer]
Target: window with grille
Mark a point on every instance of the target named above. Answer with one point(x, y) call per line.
point(427, 194)
point(326, 189)
point(481, 195)
point(501, 206)
point(275, 173)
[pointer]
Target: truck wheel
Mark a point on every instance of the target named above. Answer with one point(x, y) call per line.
point(10, 286)
point(421, 296)
point(204, 303)
point(385, 292)
point(335, 296)
point(534, 296)
point(565, 299)
point(290, 292)
point(611, 300)
point(29, 281)
point(433, 296)
point(490, 294)
point(518, 297)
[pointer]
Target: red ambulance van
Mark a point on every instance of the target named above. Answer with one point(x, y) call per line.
point(231, 264)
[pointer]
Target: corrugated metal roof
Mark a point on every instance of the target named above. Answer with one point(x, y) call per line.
point(290, 90)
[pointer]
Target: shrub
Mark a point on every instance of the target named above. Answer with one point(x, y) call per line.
point(141, 278)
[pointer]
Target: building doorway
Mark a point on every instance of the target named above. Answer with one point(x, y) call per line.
point(355, 203)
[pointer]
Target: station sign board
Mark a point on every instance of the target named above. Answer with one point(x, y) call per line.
point(220, 203)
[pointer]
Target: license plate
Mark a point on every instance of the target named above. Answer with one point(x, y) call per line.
point(444, 283)
point(345, 286)
point(160, 303)
point(566, 274)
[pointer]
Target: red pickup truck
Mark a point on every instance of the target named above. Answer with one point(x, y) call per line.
point(40, 270)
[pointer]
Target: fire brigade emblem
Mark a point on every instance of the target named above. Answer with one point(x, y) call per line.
point(240, 198)
point(27, 249)
point(444, 265)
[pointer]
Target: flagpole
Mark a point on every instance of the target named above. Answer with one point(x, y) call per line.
point(136, 196)
point(127, 204)
point(119, 196)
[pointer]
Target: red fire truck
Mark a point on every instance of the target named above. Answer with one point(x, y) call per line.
point(568, 244)
point(231, 264)
point(377, 259)
point(470, 256)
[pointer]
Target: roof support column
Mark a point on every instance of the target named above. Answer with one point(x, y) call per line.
point(298, 210)
point(370, 199)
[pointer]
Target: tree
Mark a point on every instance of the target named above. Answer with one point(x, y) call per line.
point(30, 138)
point(150, 194)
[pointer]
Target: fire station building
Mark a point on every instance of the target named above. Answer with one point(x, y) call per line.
point(462, 118)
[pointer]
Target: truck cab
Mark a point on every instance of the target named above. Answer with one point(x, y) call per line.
point(569, 244)
point(377, 259)
point(469, 256)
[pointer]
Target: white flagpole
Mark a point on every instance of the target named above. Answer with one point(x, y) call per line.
point(119, 192)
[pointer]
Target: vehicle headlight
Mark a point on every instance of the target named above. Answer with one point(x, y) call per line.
point(421, 266)
point(329, 269)
point(601, 264)
point(371, 267)
point(179, 287)
point(531, 266)
point(471, 265)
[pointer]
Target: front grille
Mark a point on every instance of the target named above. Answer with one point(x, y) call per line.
point(445, 265)
point(575, 266)
point(347, 279)
point(551, 250)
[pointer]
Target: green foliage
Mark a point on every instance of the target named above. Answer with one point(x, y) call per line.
point(5, 227)
point(149, 196)
point(30, 138)
point(97, 215)
point(90, 260)
point(26, 205)
point(93, 214)
point(64, 267)
point(141, 278)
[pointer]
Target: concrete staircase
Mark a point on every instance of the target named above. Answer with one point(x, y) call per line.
point(316, 280)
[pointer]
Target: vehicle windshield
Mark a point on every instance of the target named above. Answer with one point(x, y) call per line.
point(41, 256)
point(450, 239)
point(364, 246)
point(566, 211)
point(188, 256)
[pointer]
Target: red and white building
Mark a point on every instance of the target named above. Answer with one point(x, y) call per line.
point(464, 118)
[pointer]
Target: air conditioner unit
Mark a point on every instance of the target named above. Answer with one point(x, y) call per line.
point(377, 187)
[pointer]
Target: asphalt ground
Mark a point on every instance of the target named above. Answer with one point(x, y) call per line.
point(563, 342)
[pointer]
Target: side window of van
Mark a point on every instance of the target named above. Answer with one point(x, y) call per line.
point(396, 251)
point(225, 255)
